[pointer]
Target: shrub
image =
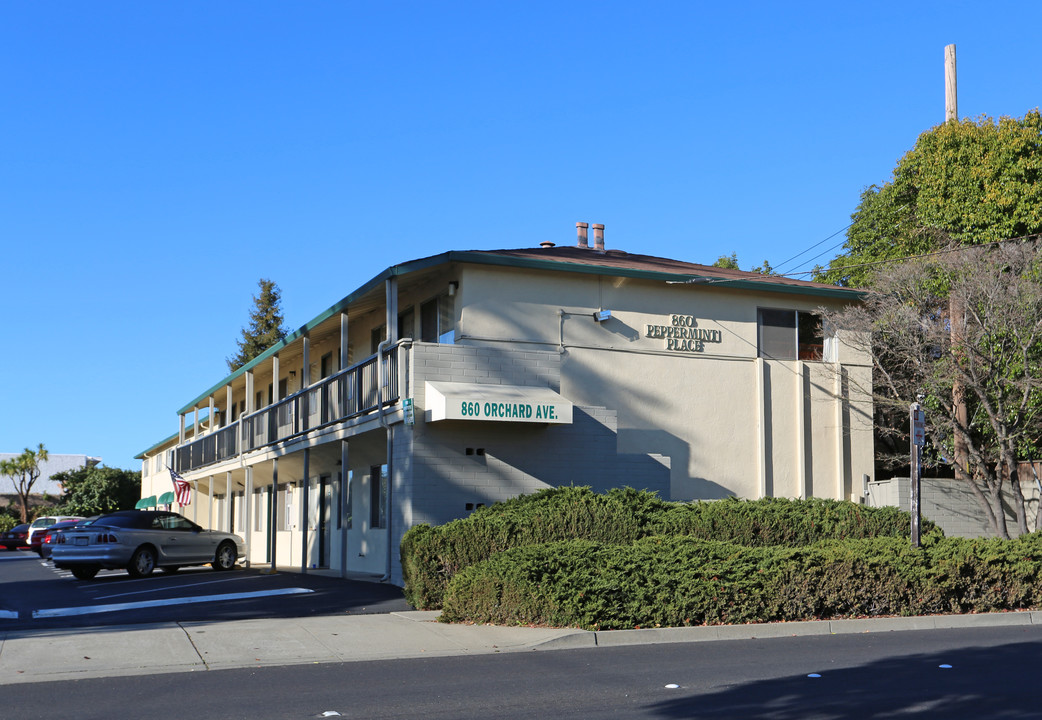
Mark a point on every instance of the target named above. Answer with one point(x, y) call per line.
point(432, 556)
point(677, 581)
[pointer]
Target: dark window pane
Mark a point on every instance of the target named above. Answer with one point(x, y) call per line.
point(777, 334)
point(811, 340)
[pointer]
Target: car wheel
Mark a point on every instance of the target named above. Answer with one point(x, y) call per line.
point(225, 557)
point(170, 569)
point(142, 563)
point(84, 572)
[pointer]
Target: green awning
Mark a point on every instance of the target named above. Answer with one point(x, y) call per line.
point(143, 503)
point(166, 498)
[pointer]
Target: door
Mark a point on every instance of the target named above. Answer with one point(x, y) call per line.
point(367, 536)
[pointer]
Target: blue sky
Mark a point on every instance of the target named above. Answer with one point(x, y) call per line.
point(157, 159)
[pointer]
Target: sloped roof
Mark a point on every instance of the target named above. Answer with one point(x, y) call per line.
point(619, 260)
point(562, 259)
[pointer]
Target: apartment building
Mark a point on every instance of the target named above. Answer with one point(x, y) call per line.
point(451, 382)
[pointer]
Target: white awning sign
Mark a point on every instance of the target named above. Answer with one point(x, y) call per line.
point(496, 403)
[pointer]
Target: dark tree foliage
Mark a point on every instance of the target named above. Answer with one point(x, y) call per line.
point(98, 489)
point(969, 182)
point(265, 328)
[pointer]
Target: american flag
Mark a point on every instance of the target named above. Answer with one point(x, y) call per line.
point(182, 488)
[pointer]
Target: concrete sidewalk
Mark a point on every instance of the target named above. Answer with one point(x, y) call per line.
point(70, 654)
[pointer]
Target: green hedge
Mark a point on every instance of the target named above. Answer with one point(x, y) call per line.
point(432, 556)
point(678, 581)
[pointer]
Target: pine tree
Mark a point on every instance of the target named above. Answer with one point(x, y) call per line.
point(265, 328)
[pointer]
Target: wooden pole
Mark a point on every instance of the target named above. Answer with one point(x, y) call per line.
point(956, 310)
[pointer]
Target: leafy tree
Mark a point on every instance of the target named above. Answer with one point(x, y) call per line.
point(265, 328)
point(24, 471)
point(764, 269)
point(904, 324)
point(728, 262)
point(98, 489)
point(964, 183)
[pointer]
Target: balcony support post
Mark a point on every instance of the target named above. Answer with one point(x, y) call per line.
point(345, 505)
point(246, 433)
point(305, 382)
point(247, 509)
point(304, 507)
point(343, 385)
point(273, 527)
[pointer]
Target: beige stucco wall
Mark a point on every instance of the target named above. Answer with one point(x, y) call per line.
point(731, 425)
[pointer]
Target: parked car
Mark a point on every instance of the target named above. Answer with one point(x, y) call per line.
point(36, 531)
point(15, 538)
point(49, 537)
point(44, 522)
point(142, 540)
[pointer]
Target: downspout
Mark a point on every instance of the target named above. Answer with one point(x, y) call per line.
point(380, 381)
point(381, 370)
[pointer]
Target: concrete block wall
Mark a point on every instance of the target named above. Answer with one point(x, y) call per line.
point(950, 503)
point(458, 465)
point(483, 364)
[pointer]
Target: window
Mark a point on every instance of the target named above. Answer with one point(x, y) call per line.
point(258, 509)
point(284, 508)
point(238, 498)
point(377, 336)
point(789, 335)
point(173, 523)
point(378, 497)
point(326, 365)
point(437, 320)
point(407, 324)
point(345, 509)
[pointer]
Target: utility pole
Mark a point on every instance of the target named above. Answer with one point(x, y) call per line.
point(956, 310)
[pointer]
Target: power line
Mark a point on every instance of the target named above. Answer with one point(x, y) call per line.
point(904, 258)
point(814, 246)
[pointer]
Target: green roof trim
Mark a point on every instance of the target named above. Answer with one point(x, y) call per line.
point(486, 257)
point(166, 498)
point(143, 503)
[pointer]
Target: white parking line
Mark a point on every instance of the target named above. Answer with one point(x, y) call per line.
point(168, 587)
point(91, 609)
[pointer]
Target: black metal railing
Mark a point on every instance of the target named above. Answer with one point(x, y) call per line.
point(354, 391)
point(208, 449)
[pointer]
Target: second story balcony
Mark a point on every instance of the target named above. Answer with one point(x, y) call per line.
point(361, 389)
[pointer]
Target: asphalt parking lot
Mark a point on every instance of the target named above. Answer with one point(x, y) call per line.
point(33, 594)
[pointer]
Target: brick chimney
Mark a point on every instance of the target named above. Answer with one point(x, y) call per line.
point(598, 237)
point(580, 231)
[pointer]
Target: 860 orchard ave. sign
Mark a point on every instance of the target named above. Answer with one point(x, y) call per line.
point(683, 334)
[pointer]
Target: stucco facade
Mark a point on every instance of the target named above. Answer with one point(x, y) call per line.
point(458, 380)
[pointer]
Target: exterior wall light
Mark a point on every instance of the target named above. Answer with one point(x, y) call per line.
point(453, 287)
point(602, 315)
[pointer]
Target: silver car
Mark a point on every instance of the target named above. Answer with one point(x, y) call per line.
point(142, 540)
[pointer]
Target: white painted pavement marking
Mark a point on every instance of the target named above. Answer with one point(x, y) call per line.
point(91, 609)
point(170, 587)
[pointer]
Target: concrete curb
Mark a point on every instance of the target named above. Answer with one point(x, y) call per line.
point(80, 653)
point(651, 636)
